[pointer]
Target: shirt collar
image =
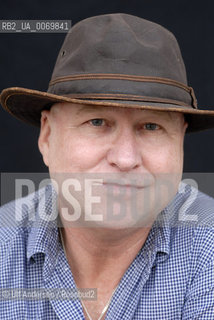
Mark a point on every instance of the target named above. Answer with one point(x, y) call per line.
point(43, 233)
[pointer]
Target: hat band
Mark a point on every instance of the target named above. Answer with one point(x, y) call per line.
point(123, 87)
point(125, 97)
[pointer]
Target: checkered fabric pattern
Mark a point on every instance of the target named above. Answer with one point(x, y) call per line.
point(172, 277)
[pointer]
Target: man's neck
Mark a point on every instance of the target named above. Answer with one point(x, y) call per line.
point(99, 257)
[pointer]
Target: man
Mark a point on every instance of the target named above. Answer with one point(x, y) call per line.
point(112, 130)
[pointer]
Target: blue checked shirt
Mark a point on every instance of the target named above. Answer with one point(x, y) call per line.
point(172, 277)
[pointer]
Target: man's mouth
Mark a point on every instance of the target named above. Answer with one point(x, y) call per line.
point(125, 185)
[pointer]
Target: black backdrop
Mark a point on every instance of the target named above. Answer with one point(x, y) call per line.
point(27, 60)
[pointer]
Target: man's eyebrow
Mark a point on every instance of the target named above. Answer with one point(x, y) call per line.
point(91, 109)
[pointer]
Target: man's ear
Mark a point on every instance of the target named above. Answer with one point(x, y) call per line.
point(44, 137)
point(185, 126)
point(186, 122)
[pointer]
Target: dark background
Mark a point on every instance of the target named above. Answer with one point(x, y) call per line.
point(27, 60)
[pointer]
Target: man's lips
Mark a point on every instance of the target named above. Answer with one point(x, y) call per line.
point(125, 182)
point(128, 185)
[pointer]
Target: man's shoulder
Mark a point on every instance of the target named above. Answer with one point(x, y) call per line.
point(203, 211)
point(189, 223)
point(23, 213)
point(202, 207)
point(194, 208)
point(18, 215)
point(14, 217)
point(194, 225)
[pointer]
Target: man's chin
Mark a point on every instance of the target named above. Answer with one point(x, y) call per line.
point(114, 221)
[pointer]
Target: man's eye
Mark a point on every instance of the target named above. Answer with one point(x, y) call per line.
point(151, 126)
point(97, 122)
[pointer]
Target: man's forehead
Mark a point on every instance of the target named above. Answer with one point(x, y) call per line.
point(82, 109)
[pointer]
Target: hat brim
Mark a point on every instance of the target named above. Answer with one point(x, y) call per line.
point(26, 105)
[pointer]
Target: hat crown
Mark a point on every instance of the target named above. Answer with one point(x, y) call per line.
point(120, 44)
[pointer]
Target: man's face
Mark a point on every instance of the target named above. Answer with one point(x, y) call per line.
point(138, 154)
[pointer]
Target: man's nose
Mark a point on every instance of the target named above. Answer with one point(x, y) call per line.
point(124, 152)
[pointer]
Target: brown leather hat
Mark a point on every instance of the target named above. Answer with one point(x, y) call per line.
point(115, 60)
